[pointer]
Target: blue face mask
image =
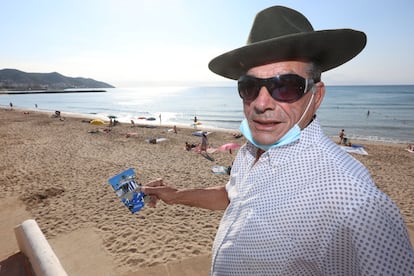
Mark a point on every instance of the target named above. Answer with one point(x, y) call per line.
point(291, 136)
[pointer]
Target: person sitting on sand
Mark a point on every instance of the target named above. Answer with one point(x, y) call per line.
point(237, 135)
point(57, 114)
point(189, 147)
point(347, 142)
point(295, 202)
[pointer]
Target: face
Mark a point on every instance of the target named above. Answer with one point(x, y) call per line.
point(269, 120)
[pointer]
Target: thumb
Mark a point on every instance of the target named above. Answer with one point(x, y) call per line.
point(150, 195)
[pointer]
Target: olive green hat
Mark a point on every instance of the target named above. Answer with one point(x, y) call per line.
point(278, 34)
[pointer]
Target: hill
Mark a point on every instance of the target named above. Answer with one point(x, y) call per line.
point(12, 79)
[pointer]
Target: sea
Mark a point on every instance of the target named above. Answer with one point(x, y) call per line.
point(376, 113)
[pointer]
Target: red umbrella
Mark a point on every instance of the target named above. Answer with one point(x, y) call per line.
point(228, 147)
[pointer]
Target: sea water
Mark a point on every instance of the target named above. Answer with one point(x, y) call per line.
point(376, 113)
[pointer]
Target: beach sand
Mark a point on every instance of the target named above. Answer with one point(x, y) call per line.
point(56, 172)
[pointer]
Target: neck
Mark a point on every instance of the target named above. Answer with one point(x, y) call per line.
point(258, 154)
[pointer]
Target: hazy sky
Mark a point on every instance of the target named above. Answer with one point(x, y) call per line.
point(124, 42)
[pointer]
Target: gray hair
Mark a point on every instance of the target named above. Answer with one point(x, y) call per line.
point(314, 71)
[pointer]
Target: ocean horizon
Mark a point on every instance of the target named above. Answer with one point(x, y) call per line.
point(382, 113)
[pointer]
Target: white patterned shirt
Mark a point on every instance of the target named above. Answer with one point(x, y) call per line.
point(308, 208)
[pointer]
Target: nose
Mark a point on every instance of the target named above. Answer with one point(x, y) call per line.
point(264, 100)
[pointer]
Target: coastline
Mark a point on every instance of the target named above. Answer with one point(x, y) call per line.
point(19, 92)
point(56, 172)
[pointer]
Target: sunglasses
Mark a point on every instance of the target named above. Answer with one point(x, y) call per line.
point(283, 88)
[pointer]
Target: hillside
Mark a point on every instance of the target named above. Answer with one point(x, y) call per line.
point(12, 79)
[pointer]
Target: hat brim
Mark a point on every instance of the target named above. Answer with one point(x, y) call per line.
point(327, 48)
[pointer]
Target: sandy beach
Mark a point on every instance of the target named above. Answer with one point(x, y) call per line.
point(56, 172)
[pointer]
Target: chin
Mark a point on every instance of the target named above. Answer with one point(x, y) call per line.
point(266, 139)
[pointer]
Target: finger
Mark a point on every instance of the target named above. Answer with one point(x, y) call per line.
point(148, 190)
point(155, 183)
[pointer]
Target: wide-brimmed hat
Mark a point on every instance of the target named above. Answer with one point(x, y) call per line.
point(279, 34)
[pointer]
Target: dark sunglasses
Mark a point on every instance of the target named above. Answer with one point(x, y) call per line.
point(283, 88)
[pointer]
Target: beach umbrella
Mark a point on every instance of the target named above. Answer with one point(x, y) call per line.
point(112, 117)
point(228, 147)
point(97, 122)
point(200, 133)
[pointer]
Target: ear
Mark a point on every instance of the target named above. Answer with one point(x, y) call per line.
point(319, 94)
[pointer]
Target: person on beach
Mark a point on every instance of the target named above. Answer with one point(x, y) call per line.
point(204, 141)
point(295, 203)
point(341, 136)
point(189, 146)
point(195, 122)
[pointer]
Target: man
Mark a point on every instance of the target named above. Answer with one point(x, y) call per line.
point(296, 204)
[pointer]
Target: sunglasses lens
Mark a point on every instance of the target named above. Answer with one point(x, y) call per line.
point(289, 88)
point(283, 88)
point(248, 88)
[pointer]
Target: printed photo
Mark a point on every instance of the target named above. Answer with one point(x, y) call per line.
point(128, 189)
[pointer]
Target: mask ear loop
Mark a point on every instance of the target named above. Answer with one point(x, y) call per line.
point(309, 103)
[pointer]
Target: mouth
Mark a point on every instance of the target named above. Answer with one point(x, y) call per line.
point(265, 125)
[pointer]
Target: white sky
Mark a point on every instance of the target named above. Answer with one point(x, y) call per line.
point(125, 42)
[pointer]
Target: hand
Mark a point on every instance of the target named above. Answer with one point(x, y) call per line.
point(157, 189)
